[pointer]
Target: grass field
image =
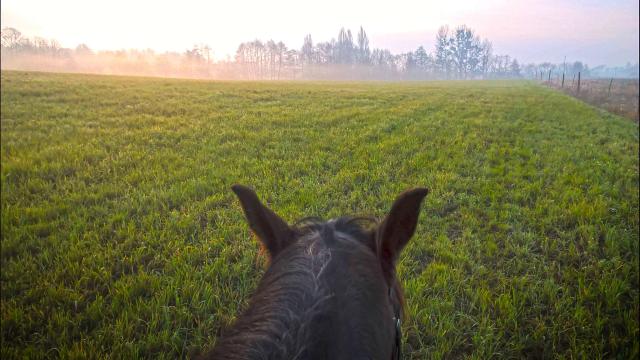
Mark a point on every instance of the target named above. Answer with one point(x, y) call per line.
point(122, 239)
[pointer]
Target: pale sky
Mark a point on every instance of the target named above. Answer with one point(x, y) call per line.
point(598, 32)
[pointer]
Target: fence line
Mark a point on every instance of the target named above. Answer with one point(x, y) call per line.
point(619, 96)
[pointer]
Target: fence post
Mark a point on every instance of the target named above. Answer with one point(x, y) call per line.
point(610, 82)
point(562, 86)
point(549, 76)
point(578, 82)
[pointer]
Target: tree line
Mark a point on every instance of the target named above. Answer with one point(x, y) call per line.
point(458, 53)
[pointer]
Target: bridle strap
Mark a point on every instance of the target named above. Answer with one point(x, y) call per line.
point(397, 347)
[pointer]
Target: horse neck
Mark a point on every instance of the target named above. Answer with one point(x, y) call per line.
point(282, 314)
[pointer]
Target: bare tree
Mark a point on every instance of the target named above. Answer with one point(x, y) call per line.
point(281, 50)
point(514, 69)
point(345, 47)
point(442, 52)
point(307, 51)
point(485, 57)
point(271, 55)
point(363, 52)
point(466, 51)
point(10, 37)
point(83, 49)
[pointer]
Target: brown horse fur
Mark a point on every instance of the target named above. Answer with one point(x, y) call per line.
point(330, 291)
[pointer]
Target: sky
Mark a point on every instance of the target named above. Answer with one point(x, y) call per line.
point(596, 32)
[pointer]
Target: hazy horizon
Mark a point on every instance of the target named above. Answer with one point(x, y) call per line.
point(536, 31)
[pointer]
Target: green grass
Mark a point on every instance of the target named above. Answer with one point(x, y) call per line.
point(122, 239)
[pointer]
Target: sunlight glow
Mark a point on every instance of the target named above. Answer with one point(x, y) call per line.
point(597, 31)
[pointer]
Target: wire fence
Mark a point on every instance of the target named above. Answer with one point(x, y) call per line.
point(619, 96)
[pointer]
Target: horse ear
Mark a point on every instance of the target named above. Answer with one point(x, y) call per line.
point(274, 232)
point(398, 227)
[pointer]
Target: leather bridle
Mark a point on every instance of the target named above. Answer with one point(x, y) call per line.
point(397, 347)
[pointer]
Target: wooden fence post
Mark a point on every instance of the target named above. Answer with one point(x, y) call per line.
point(562, 86)
point(610, 82)
point(549, 76)
point(578, 82)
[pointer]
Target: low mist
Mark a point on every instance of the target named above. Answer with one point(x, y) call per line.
point(459, 53)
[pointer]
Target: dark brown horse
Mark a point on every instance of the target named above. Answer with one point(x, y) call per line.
point(330, 291)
